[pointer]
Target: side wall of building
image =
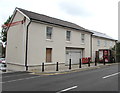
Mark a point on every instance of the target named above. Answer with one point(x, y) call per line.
point(16, 40)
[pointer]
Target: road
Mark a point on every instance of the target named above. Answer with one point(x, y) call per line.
point(102, 79)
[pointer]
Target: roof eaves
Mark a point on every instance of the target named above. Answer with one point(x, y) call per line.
point(105, 37)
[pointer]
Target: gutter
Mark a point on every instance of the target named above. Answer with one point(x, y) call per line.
point(26, 52)
point(91, 45)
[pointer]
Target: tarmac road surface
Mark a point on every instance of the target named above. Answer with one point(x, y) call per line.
point(101, 79)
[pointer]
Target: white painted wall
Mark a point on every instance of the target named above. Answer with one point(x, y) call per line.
point(38, 43)
point(16, 40)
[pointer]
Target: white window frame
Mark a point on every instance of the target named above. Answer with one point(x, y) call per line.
point(98, 42)
point(105, 43)
point(68, 39)
point(82, 38)
point(111, 43)
point(51, 35)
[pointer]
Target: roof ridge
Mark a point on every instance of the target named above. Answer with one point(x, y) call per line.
point(46, 16)
point(51, 17)
point(100, 34)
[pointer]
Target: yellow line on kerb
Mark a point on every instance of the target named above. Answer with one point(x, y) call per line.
point(66, 72)
point(58, 73)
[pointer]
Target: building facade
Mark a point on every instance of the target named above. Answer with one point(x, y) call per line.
point(101, 41)
point(39, 38)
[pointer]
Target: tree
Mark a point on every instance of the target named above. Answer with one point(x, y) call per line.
point(4, 32)
point(4, 36)
point(118, 52)
point(116, 48)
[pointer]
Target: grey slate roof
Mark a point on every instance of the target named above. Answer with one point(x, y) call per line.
point(51, 20)
point(99, 34)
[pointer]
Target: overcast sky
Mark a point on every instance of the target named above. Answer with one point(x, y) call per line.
point(98, 15)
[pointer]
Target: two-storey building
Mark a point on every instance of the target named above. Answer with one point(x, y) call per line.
point(37, 38)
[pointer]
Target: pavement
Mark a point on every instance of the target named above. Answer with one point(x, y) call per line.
point(100, 80)
point(51, 70)
point(62, 69)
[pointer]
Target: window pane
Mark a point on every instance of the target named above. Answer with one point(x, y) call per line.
point(68, 34)
point(83, 38)
point(49, 33)
point(98, 42)
point(105, 43)
point(111, 43)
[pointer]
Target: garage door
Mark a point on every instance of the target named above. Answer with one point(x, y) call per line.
point(74, 55)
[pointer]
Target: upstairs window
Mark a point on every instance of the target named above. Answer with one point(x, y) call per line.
point(105, 43)
point(98, 42)
point(82, 38)
point(68, 35)
point(111, 44)
point(49, 32)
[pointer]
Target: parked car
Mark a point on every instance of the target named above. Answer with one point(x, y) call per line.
point(3, 65)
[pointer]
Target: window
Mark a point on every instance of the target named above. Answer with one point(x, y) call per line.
point(68, 35)
point(98, 42)
point(105, 43)
point(49, 33)
point(110, 43)
point(83, 38)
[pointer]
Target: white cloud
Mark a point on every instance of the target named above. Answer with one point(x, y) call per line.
point(103, 14)
point(73, 8)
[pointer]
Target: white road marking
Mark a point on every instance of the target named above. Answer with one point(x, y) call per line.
point(13, 75)
point(20, 79)
point(111, 75)
point(67, 89)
